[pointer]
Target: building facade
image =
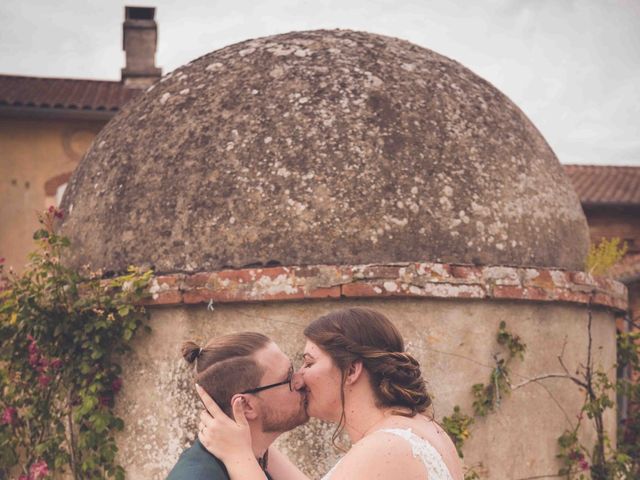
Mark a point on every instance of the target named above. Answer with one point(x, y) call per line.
point(47, 124)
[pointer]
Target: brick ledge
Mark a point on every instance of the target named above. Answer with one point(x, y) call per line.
point(405, 280)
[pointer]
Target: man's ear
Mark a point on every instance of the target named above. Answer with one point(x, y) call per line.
point(354, 372)
point(248, 404)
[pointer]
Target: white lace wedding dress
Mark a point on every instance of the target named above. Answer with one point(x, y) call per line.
point(433, 463)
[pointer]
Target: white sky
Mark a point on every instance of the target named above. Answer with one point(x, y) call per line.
point(573, 66)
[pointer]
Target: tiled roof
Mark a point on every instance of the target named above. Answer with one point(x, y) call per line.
point(64, 93)
point(605, 185)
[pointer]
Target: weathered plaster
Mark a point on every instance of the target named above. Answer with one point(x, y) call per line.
point(454, 340)
point(403, 280)
point(321, 147)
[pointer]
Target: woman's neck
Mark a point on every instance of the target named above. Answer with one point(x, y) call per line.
point(362, 415)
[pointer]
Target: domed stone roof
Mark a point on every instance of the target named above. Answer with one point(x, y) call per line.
point(317, 147)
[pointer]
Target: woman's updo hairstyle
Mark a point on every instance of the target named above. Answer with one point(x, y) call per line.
point(361, 334)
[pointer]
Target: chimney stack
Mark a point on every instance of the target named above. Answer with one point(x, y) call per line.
point(140, 35)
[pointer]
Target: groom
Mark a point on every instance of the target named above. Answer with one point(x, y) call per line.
point(251, 365)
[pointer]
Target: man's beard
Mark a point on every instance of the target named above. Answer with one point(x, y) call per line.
point(278, 422)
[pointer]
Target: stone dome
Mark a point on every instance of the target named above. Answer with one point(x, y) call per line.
point(321, 147)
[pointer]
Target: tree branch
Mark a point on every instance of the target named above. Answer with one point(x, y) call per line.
point(549, 375)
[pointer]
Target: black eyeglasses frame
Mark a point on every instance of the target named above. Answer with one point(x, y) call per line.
point(289, 380)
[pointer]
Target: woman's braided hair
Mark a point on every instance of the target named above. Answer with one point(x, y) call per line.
point(361, 334)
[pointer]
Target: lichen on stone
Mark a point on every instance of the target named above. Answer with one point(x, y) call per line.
point(322, 147)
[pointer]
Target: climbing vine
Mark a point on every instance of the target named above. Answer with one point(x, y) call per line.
point(578, 462)
point(61, 335)
point(486, 397)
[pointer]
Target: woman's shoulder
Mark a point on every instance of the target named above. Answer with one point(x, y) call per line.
point(428, 441)
point(378, 455)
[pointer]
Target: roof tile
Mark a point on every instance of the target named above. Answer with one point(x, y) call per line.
point(64, 93)
point(605, 184)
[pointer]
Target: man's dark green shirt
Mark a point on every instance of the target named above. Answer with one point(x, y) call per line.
point(196, 463)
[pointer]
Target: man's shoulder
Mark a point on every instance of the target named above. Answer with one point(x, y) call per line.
point(196, 463)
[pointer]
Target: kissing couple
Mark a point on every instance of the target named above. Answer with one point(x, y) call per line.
point(355, 374)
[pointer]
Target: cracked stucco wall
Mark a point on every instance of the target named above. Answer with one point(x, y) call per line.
point(454, 341)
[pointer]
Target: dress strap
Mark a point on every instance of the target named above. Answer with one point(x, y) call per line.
point(433, 462)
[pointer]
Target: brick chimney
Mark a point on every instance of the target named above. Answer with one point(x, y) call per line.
point(140, 35)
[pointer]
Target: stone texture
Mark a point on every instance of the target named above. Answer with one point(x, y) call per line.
point(379, 280)
point(321, 147)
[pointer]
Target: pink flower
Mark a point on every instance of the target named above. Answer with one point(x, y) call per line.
point(39, 470)
point(59, 214)
point(23, 477)
point(9, 416)
point(44, 380)
point(116, 385)
point(56, 363)
point(584, 465)
point(2, 260)
point(52, 209)
point(34, 360)
point(43, 364)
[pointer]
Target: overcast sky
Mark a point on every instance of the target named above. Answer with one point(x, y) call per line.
point(573, 66)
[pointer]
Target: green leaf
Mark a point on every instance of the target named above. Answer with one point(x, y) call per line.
point(128, 333)
point(42, 233)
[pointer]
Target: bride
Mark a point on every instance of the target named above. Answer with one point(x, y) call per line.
point(357, 375)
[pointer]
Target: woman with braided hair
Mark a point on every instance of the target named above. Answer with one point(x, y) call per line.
point(356, 374)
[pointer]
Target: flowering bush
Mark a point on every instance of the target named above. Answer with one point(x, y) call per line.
point(61, 333)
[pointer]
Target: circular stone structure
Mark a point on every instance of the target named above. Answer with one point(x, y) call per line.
point(320, 147)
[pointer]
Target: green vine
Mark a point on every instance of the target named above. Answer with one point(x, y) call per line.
point(487, 397)
point(458, 427)
point(602, 461)
point(629, 387)
point(578, 462)
point(61, 333)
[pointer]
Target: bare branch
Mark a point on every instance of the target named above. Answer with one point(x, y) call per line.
point(553, 475)
point(558, 404)
point(452, 354)
point(561, 355)
point(542, 377)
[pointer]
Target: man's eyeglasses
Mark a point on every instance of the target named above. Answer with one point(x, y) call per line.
point(289, 381)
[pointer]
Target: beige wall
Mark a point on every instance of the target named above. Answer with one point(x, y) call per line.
point(454, 341)
point(33, 152)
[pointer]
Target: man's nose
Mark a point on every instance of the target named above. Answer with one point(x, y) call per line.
point(297, 381)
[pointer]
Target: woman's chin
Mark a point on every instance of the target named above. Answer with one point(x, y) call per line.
point(311, 410)
point(314, 412)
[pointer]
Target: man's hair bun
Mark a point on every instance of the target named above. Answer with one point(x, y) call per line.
point(190, 351)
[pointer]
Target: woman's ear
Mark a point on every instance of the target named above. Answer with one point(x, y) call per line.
point(248, 404)
point(354, 372)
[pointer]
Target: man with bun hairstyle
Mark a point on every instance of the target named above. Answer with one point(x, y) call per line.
point(249, 369)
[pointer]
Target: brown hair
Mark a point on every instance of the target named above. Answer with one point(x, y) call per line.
point(361, 334)
point(226, 365)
